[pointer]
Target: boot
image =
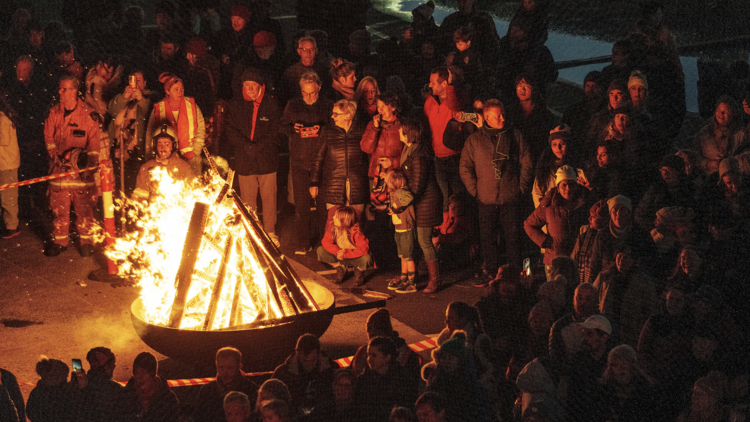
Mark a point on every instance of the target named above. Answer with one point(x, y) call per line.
point(432, 270)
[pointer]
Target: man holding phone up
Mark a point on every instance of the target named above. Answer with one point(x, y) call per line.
point(301, 122)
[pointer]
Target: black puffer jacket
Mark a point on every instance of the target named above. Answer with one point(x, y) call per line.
point(339, 157)
point(302, 150)
point(419, 169)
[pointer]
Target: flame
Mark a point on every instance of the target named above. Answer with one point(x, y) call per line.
point(151, 256)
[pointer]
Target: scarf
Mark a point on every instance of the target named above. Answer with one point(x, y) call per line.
point(345, 91)
point(256, 105)
point(619, 233)
point(182, 125)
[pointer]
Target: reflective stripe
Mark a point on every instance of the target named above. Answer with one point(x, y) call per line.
point(71, 184)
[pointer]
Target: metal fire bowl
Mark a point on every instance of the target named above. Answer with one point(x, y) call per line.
point(262, 348)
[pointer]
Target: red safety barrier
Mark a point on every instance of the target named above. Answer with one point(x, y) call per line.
point(343, 362)
point(45, 178)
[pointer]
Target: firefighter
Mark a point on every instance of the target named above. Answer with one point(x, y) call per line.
point(73, 141)
point(165, 145)
point(183, 116)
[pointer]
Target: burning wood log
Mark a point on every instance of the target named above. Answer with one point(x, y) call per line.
point(302, 299)
point(218, 286)
point(190, 251)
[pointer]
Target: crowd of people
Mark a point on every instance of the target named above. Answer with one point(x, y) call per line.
point(443, 140)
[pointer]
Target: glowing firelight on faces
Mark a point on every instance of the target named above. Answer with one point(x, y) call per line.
point(151, 255)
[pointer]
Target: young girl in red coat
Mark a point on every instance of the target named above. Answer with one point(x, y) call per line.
point(344, 245)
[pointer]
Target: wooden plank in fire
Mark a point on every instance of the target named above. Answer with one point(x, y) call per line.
point(190, 249)
point(213, 304)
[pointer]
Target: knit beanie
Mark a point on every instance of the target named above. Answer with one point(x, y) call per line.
point(593, 76)
point(624, 352)
point(252, 74)
point(242, 11)
point(617, 84)
point(559, 132)
point(197, 47)
point(599, 209)
point(729, 165)
point(565, 172)
point(277, 389)
point(455, 346)
point(637, 78)
point(263, 39)
point(674, 162)
point(620, 200)
point(169, 79)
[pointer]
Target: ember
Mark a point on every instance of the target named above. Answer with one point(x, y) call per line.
point(203, 262)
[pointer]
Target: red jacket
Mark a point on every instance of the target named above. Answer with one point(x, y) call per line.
point(357, 238)
point(383, 141)
point(439, 115)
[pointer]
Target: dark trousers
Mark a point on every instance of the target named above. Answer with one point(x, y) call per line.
point(306, 219)
point(493, 220)
point(448, 177)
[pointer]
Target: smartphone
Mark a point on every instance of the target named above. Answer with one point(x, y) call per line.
point(527, 266)
point(307, 132)
point(77, 367)
point(131, 81)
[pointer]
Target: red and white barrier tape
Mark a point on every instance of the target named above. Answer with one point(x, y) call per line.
point(45, 178)
point(343, 362)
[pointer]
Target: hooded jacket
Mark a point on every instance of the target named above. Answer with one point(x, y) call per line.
point(382, 141)
point(254, 135)
point(563, 224)
point(496, 166)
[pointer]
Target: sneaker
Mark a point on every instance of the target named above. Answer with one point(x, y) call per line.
point(275, 239)
point(8, 234)
point(359, 277)
point(483, 279)
point(396, 282)
point(340, 274)
point(87, 250)
point(301, 250)
point(55, 249)
point(407, 287)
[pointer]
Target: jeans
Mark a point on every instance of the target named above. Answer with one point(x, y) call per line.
point(363, 262)
point(492, 218)
point(448, 177)
point(424, 237)
point(266, 183)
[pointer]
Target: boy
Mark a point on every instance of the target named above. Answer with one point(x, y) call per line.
point(402, 212)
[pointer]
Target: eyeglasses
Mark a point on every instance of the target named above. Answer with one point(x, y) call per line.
point(339, 114)
point(305, 50)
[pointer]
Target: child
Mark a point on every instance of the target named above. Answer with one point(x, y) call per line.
point(344, 245)
point(402, 213)
point(452, 242)
point(467, 59)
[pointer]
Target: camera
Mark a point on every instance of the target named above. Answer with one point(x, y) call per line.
point(470, 117)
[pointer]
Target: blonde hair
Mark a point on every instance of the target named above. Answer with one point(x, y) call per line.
point(346, 106)
point(395, 179)
point(346, 216)
point(361, 87)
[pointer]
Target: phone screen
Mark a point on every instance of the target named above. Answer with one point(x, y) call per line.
point(527, 266)
point(77, 365)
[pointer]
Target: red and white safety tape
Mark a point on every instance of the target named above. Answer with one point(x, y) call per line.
point(45, 178)
point(343, 362)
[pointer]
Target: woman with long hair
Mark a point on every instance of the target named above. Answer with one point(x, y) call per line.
point(530, 115)
point(418, 165)
point(10, 161)
point(722, 137)
point(366, 96)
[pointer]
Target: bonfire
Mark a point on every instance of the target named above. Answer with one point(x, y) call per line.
point(202, 259)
